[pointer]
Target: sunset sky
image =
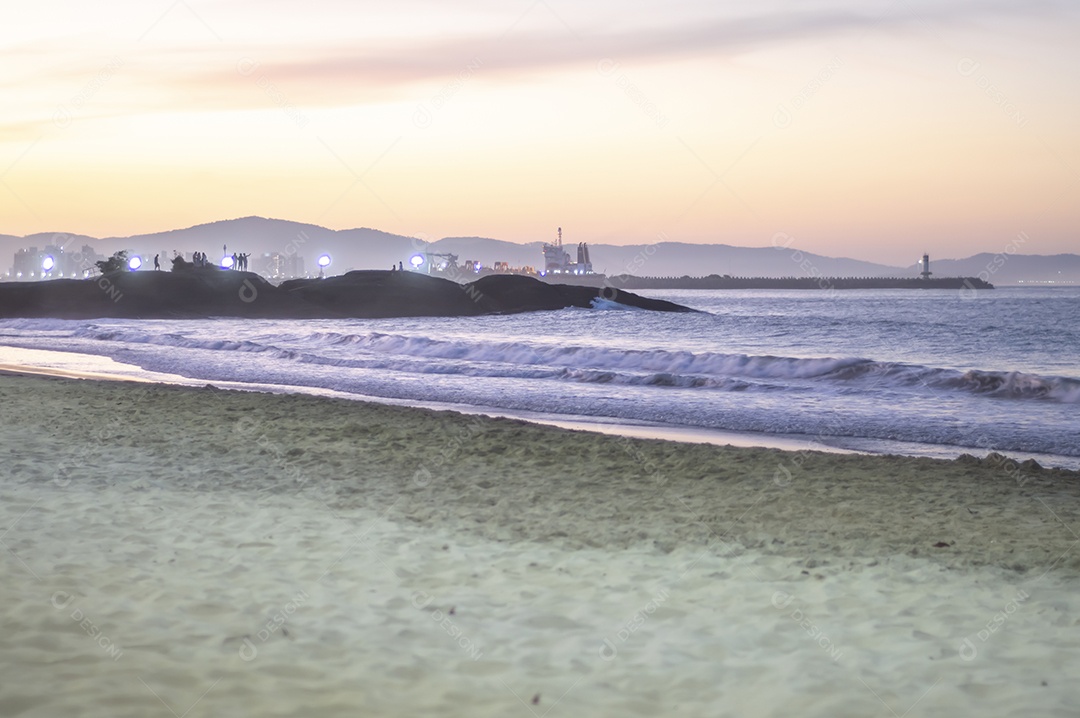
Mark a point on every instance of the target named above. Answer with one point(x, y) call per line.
point(872, 129)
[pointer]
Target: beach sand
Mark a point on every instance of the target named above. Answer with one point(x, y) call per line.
point(197, 552)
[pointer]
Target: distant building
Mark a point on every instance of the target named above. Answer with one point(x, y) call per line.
point(277, 265)
point(53, 262)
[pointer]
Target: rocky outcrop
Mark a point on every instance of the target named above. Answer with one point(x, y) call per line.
point(208, 291)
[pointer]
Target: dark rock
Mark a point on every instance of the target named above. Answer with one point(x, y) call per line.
point(209, 291)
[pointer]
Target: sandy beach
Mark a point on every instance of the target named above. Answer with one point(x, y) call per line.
point(199, 552)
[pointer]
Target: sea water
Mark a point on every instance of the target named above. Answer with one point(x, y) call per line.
point(922, 372)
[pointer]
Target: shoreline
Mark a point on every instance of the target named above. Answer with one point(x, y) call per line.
point(693, 435)
point(31, 362)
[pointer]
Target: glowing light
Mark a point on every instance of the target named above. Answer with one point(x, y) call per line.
point(134, 263)
point(324, 261)
point(416, 260)
point(226, 262)
point(48, 263)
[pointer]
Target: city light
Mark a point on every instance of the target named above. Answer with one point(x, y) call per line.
point(134, 263)
point(48, 264)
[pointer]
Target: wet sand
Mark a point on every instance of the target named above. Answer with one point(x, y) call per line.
point(217, 552)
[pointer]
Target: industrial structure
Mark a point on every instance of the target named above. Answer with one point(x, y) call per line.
point(559, 267)
point(557, 259)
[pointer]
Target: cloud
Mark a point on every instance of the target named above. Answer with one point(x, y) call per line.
point(516, 54)
point(349, 73)
point(313, 73)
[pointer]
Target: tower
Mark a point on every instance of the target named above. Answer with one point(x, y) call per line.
point(926, 267)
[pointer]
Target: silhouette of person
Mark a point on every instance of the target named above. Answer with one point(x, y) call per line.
point(400, 267)
point(234, 264)
point(157, 263)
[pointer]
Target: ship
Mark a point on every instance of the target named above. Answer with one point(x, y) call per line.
point(559, 267)
point(557, 262)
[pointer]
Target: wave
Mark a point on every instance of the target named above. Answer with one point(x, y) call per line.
point(597, 364)
point(39, 325)
point(609, 305)
point(1005, 384)
point(711, 364)
point(611, 358)
point(664, 379)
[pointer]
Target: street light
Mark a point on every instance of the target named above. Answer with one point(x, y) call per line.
point(416, 260)
point(226, 262)
point(134, 263)
point(323, 262)
point(47, 265)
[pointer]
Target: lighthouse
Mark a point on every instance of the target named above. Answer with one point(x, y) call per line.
point(925, 267)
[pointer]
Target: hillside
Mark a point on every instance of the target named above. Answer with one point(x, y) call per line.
point(365, 248)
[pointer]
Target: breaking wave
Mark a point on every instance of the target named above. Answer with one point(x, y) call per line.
point(656, 367)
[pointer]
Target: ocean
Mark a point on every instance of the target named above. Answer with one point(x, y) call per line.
point(925, 373)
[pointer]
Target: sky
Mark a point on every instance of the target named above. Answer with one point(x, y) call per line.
point(875, 129)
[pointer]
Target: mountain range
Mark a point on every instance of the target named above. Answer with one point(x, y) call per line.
point(365, 248)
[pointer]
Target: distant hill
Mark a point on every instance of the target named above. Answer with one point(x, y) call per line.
point(351, 249)
point(670, 258)
point(679, 258)
point(360, 248)
point(365, 248)
point(10, 244)
point(489, 251)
